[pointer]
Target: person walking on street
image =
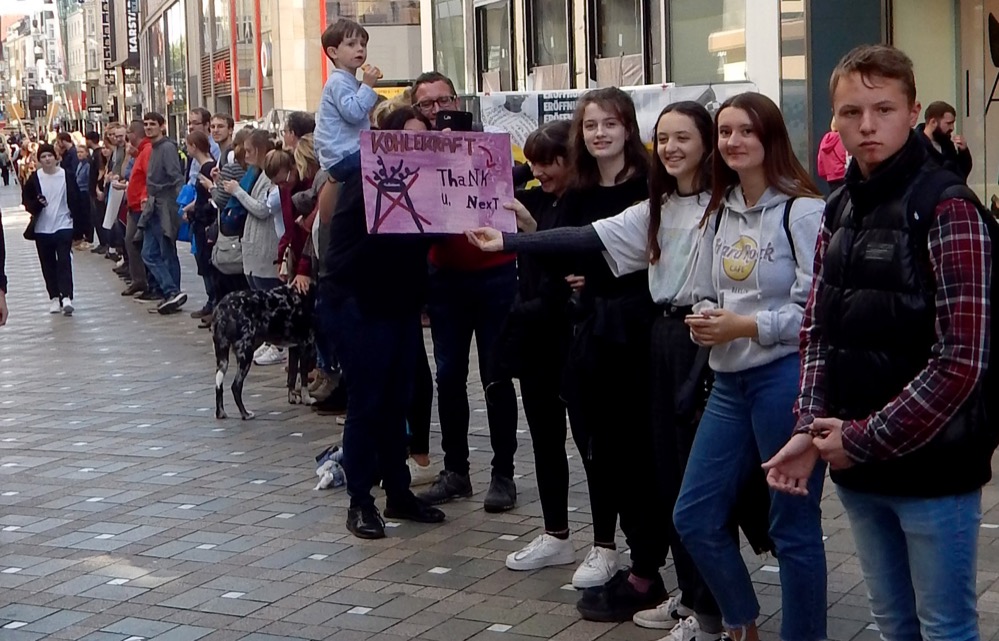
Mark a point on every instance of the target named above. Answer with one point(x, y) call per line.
point(56, 205)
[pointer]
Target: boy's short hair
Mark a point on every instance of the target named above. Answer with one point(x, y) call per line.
point(204, 114)
point(45, 148)
point(340, 31)
point(876, 61)
point(93, 136)
point(937, 110)
point(152, 115)
point(225, 118)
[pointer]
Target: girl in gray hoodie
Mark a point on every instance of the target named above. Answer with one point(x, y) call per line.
point(752, 278)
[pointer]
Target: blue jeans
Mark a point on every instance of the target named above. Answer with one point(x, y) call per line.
point(159, 253)
point(747, 420)
point(462, 304)
point(378, 357)
point(918, 558)
point(349, 165)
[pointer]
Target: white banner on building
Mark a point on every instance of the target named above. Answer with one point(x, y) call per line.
point(520, 113)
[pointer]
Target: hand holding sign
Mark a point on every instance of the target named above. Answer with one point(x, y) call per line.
point(436, 182)
point(486, 238)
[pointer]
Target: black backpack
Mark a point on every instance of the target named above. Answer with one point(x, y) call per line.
point(932, 189)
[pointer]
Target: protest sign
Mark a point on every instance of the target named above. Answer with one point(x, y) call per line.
point(428, 182)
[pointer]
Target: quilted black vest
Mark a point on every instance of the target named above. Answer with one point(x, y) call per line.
point(878, 317)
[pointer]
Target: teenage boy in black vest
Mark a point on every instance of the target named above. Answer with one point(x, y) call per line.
point(894, 346)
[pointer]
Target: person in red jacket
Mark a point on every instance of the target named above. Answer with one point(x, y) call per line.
point(832, 158)
point(470, 293)
point(135, 196)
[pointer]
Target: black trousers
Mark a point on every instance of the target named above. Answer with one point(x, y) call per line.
point(5, 174)
point(608, 401)
point(545, 412)
point(54, 256)
point(679, 373)
point(97, 208)
point(420, 407)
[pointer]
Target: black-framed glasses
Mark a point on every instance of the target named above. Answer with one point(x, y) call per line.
point(443, 102)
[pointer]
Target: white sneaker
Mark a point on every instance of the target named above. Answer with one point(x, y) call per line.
point(120, 263)
point(260, 351)
point(596, 569)
point(664, 616)
point(273, 356)
point(689, 630)
point(67, 307)
point(543, 551)
point(55, 306)
point(420, 474)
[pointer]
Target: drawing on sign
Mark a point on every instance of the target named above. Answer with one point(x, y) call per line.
point(394, 181)
point(447, 182)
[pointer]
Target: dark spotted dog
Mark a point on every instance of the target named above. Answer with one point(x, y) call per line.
point(244, 320)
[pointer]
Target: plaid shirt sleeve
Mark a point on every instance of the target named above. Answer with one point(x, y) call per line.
point(960, 255)
point(811, 400)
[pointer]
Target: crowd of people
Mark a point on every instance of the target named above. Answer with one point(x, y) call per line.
point(711, 331)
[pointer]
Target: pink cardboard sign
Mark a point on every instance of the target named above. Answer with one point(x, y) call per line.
point(429, 182)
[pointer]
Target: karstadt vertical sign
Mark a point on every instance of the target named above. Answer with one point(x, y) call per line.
point(132, 24)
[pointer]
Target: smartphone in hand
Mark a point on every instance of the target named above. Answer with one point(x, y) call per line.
point(454, 120)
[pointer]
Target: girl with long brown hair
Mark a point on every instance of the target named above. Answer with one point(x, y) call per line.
point(608, 359)
point(751, 281)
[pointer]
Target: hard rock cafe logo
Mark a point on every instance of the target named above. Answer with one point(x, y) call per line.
point(739, 258)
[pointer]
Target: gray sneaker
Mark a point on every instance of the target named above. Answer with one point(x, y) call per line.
point(448, 486)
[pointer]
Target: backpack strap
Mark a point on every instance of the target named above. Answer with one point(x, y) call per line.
point(787, 226)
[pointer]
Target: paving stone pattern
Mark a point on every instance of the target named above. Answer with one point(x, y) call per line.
point(127, 512)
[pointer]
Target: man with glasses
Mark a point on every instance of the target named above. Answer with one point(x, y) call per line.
point(470, 294)
point(298, 125)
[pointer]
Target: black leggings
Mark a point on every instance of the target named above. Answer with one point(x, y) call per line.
point(420, 407)
point(609, 415)
point(545, 412)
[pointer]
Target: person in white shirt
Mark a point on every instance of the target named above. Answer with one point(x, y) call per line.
point(55, 203)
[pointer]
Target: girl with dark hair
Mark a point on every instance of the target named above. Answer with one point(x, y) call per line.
point(661, 235)
point(608, 358)
point(751, 281)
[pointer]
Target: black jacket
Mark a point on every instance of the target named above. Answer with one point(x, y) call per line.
point(79, 207)
point(877, 312)
point(948, 157)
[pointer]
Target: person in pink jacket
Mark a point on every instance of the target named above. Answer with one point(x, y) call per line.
point(832, 159)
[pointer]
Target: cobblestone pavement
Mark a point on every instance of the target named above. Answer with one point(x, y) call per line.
point(128, 512)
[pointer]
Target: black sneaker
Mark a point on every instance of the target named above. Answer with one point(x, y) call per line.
point(365, 523)
point(502, 495)
point(411, 508)
point(333, 405)
point(448, 486)
point(618, 601)
point(148, 297)
point(172, 304)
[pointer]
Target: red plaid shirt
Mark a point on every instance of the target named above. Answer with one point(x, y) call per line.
point(960, 254)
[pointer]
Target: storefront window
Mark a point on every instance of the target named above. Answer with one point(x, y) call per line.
point(223, 26)
point(206, 26)
point(793, 78)
point(246, 59)
point(176, 89)
point(619, 43)
point(707, 41)
point(495, 55)
point(449, 41)
point(549, 45)
point(155, 62)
